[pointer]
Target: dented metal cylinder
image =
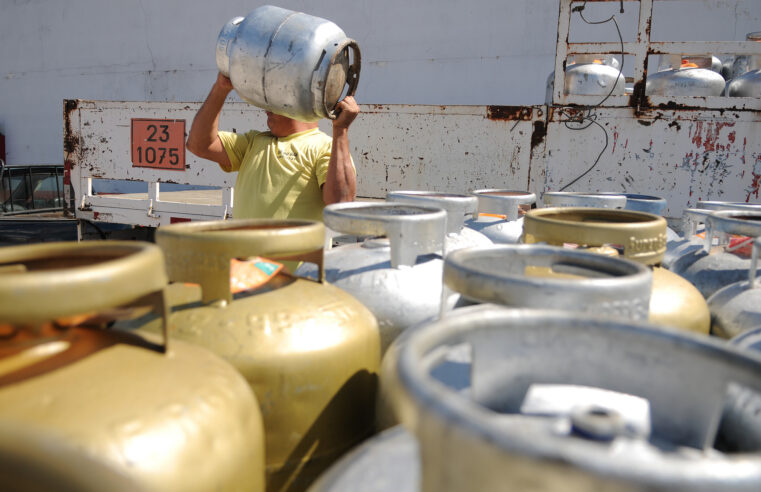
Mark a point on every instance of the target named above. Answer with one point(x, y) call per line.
point(287, 62)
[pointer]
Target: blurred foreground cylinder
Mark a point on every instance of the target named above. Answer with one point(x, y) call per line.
point(290, 63)
point(558, 401)
point(93, 409)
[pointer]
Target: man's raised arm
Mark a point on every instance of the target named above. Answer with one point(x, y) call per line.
point(341, 181)
point(203, 139)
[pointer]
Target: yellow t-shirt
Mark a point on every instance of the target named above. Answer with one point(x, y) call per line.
point(278, 177)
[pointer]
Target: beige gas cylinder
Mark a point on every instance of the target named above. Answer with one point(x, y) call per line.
point(638, 236)
point(310, 351)
point(87, 408)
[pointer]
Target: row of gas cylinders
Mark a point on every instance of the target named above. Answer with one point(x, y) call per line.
point(201, 363)
point(676, 75)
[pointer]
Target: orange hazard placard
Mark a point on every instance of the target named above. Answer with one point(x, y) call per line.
point(158, 144)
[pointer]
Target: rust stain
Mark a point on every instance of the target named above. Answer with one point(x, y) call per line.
point(538, 135)
point(509, 113)
point(70, 139)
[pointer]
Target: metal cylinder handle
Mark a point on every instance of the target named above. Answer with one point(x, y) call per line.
point(513, 350)
point(503, 202)
point(458, 207)
point(352, 77)
point(645, 203)
point(754, 263)
point(717, 205)
point(691, 219)
point(740, 222)
point(200, 252)
point(580, 199)
point(411, 230)
point(51, 282)
point(597, 284)
point(642, 236)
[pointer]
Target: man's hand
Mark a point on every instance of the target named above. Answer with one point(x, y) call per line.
point(348, 110)
point(224, 83)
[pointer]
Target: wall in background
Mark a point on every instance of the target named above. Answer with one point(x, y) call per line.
point(440, 52)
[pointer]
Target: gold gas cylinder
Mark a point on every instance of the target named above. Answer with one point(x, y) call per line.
point(87, 408)
point(310, 351)
point(638, 236)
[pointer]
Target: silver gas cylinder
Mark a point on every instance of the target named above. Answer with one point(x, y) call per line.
point(287, 62)
point(499, 216)
point(581, 199)
point(718, 266)
point(550, 277)
point(746, 73)
point(736, 307)
point(689, 76)
point(458, 207)
point(396, 272)
point(684, 250)
point(569, 402)
point(590, 75)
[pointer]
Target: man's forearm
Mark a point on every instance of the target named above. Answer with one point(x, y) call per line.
point(205, 125)
point(203, 139)
point(341, 183)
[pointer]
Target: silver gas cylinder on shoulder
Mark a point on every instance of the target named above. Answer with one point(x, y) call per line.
point(736, 308)
point(458, 207)
point(287, 62)
point(499, 214)
point(718, 266)
point(685, 76)
point(396, 272)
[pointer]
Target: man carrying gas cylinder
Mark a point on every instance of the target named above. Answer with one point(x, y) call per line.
point(291, 171)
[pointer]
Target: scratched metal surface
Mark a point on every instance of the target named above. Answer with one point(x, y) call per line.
point(682, 155)
point(442, 148)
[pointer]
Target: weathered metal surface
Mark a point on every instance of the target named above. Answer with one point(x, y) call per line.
point(97, 146)
point(682, 156)
point(444, 148)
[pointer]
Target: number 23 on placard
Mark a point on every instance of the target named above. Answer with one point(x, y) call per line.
point(158, 144)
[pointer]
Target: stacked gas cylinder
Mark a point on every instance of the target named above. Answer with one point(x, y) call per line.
point(675, 75)
point(564, 356)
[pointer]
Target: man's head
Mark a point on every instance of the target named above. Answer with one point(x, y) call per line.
point(282, 126)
